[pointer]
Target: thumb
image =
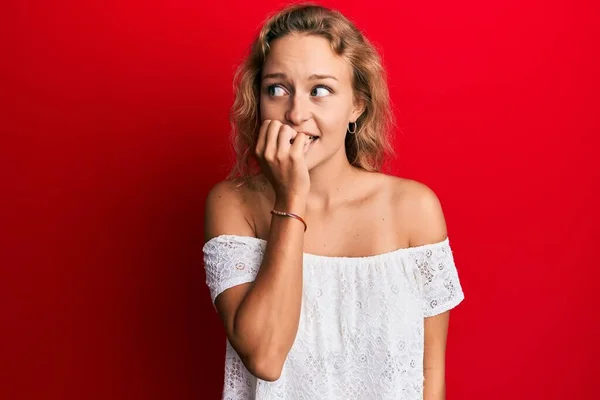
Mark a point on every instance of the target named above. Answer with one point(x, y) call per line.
point(299, 145)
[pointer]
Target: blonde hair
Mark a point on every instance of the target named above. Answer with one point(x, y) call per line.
point(369, 146)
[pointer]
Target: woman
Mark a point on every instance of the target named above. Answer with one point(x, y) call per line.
point(333, 281)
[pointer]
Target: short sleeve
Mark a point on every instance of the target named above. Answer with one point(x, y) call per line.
point(441, 288)
point(231, 260)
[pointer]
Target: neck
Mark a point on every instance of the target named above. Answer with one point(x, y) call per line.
point(329, 182)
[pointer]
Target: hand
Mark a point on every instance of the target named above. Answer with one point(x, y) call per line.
point(280, 152)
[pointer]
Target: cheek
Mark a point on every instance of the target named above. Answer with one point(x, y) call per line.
point(270, 109)
point(333, 120)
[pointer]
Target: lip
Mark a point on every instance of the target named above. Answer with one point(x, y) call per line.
point(309, 134)
point(310, 141)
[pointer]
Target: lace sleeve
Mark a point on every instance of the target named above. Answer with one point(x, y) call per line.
point(441, 287)
point(231, 260)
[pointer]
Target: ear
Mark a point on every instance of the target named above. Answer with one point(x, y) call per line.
point(359, 108)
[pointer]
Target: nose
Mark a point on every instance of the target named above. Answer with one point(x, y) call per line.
point(298, 110)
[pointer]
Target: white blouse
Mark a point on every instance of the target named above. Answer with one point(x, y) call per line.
point(360, 333)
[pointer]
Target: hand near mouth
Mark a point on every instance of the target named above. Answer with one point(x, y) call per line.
point(311, 137)
point(280, 153)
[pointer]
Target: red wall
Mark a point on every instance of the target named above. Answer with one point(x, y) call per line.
point(114, 126)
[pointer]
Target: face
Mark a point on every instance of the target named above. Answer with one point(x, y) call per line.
point(307, 86)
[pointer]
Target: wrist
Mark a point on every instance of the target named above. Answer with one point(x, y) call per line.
point(294, 204)
point(290, 215)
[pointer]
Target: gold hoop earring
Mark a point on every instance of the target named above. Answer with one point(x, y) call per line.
point(352, 131)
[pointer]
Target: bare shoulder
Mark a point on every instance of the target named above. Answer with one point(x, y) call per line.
point(420, 208)
point(229, 207)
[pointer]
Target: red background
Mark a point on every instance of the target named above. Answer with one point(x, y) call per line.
point(114, 127)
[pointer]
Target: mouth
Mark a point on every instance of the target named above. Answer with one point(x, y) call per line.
point(309, 144)
point(311, 137)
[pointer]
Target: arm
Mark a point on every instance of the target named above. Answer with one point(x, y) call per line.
point(434, 360)
point(430, 227)
point(261, 318)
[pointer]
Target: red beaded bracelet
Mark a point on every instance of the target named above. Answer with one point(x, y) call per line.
point(287, 214)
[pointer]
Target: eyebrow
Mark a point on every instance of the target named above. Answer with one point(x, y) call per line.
point(313, 77)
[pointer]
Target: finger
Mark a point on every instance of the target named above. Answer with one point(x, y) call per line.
point(286, 135)
point(297, 149)
point(271, 140)
point(262, 138)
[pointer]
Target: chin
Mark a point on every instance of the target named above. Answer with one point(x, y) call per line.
point(313, 161)
point(310, 165)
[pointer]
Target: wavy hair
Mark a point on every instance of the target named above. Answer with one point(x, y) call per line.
point(370, 145)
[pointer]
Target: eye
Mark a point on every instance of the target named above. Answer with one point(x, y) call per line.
point(275, 90)
point(321, 91)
